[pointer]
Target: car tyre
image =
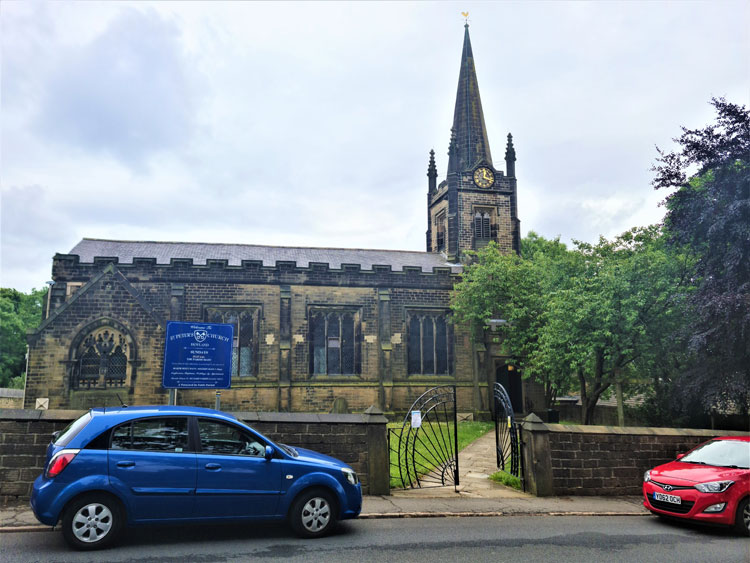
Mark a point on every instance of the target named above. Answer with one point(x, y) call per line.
point(313, 514)
point(742, 518)
point(92, 521)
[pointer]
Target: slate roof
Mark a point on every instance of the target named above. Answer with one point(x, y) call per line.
point(163, 252)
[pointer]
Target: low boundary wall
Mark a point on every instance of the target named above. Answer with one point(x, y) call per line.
point(565, 460)
point(357, 439)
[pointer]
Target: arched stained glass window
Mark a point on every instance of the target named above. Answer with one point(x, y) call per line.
point(334, 343)
point(347, 343)
point(89, 367)
point(117, 369)
point(100, 360)
point(430, 344)
point(245, 342)
point(318, 343)
point(441, 352)
point(415, 345)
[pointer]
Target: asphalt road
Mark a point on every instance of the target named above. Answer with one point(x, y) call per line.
point(425, 540)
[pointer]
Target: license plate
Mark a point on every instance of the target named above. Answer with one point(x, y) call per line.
point(668, 498)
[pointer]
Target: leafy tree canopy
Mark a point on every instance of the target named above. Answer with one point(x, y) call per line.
point(19, 312)
point(709, 214)
point(580, 317)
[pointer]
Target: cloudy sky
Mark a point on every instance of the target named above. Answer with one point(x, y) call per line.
point(306, 124)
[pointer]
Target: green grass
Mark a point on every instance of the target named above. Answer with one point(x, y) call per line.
point(467, 433)
point(506, 479)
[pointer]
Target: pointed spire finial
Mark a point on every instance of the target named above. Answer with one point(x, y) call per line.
point(510, 157)
point(432, 173)
point(466, 18)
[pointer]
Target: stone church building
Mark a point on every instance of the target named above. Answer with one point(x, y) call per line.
point(311, 325)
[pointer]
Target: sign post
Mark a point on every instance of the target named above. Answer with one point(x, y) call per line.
point(197, 356)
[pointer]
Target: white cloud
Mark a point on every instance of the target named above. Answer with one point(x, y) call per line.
point(310, 123)
point(124, 94)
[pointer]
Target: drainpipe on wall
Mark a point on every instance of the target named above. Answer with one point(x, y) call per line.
point(618, 393)
point(26, 377)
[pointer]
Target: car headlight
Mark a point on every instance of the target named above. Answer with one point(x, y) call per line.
point(647, 476)
point(350, 475)
point(714, 486)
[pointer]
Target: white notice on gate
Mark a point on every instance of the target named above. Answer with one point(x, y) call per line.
point(416, 419)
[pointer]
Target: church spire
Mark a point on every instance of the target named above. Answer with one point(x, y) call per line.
point(468, 120)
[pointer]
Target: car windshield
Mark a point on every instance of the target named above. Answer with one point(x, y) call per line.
point(73, 428)
point(722, 453)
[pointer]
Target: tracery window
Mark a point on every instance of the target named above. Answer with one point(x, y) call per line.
point(245, 343)
point(430, 343)
point(334, 342)
point(101, 360)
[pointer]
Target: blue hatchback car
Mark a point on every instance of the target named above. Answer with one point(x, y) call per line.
point(144, 465)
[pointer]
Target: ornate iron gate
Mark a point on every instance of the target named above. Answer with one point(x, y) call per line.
point(507, 436)
point(426, 446)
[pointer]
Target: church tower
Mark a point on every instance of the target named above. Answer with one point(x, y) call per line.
point(476, 203)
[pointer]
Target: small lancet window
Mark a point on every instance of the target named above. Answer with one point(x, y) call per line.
point(484, 230)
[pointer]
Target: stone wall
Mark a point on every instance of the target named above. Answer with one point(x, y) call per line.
point(11, 398)
point(359, 440)
point(604, 415)
point(600, 460)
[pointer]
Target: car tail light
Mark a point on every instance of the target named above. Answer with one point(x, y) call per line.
point(59, 462)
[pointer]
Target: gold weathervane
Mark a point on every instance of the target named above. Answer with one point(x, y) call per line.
point(466, 16)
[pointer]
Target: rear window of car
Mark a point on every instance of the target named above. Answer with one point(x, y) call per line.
point(72, 430)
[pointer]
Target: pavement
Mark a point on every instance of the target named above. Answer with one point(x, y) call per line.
point(475, 496)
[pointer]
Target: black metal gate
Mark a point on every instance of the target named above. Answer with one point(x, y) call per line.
point(507, 436)
point(424, 450)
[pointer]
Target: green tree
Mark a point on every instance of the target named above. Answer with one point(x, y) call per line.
point(516, 290)
point(709, 214)
point(19, 312)
point(622, 296)
point(579, 317)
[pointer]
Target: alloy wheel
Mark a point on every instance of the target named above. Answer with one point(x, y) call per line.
point(92, 522)
point(316, 514)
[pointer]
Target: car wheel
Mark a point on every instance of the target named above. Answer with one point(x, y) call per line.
point(742, 518)
point(92, 521)
point(313, 514)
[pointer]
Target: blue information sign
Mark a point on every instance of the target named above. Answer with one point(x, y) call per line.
point(198, 356)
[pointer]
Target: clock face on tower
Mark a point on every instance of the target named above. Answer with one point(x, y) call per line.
point(484, 177)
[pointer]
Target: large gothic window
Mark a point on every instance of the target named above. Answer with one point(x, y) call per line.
point(430, 343)
point(245, 344)
point(334, 342)
point(101, 360)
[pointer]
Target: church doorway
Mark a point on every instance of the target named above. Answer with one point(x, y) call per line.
point(508, 377)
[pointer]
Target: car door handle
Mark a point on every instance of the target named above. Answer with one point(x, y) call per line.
point(125, 464)
point(213, 466)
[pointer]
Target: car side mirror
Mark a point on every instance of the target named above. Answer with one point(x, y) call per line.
point(680, 456)
point(269, 453)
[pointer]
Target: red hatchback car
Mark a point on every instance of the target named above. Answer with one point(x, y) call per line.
point(710, 484)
